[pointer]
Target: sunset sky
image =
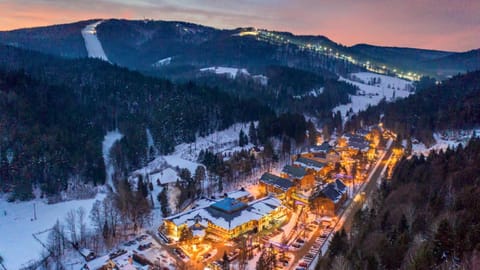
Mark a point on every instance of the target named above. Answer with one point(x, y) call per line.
point(435, 24)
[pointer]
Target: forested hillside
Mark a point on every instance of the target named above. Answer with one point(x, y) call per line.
point(287, 90)
point(62, 40)
point(426, 217)
point(56, 112)
point(454, 104)
point(140, 44)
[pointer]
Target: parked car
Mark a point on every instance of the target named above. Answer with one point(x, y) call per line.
point(296, 245)
point(145, 246)
point(303, 264)
point(117, 253)
point(130, 243)
point(179, 253)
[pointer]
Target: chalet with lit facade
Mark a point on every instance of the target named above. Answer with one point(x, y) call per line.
point(324, 153)
point(226, 219)
point(281, 187)
point(328, 199)
point(301, 176)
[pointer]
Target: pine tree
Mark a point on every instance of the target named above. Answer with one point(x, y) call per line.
point(443, 242)
point(199, 177)
point(242, 138)
point(339, 244)
point(142, 189)
point(105, 230)
point(252, 134)
point(162, 198)
point(403, 224)
point(312, 133)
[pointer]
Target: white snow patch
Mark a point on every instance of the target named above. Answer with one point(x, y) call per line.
point(166, 176)
point(109, 140)
point(229, 71)
point(17, 226)
point(92, 43)
point(163, 62)
point(261, 79)
point(186, 154)
point(370, 93)
point(311, 93)
point(444, 140)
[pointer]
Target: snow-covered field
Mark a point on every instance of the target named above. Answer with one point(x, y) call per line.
point(232, 73)
point(371, 93)
point(444, 140)
point(93, 45)
point(17, 226)
point(186, 154)
point(155, 254)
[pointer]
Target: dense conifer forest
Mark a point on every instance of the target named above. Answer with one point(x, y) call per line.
point(55, 113)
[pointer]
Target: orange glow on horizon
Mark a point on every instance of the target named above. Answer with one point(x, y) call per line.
point(445, 26)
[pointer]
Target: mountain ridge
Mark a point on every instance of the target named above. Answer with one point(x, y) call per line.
point(138, 44)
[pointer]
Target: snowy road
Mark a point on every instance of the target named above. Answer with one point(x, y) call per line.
point(109, 140)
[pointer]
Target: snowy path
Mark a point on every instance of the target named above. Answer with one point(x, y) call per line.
point(110, 138)
point(92, 43)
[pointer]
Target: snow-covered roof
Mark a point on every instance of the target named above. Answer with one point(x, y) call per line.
point(309, 163)
point(357, 141)
point(241, 193)
point(324, 148)
point(334, 191)
point(294, 171)
point(166, 176)
point(229, 205)
point(227, 220)
point(85, 252)
point(276, 181)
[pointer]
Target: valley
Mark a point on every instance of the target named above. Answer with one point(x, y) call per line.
point(154, 144)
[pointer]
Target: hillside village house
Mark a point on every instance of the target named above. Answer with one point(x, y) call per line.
point(281, 187)
point(318, 168)
point(324, 153)
point(301, 176)
point(328, 199)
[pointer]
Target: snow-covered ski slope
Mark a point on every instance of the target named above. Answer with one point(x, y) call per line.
point(92, 43)
point(373, 88)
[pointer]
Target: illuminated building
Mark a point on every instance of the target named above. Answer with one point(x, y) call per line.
point(227, 218)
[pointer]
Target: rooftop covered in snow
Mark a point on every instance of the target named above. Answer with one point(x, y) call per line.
point(276, 181)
